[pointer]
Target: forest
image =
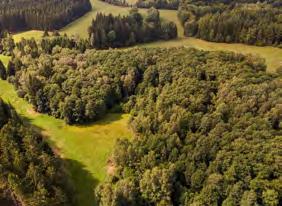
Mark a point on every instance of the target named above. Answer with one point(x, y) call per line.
point(199, 118)
point(256, 24)
point(190, 127)
point(207, 128)
point(107, 31)
point(19, 15)
point(30, 173)
point(158, 4)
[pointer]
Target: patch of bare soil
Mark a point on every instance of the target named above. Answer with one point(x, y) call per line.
point(32, 112)
point(110, 167)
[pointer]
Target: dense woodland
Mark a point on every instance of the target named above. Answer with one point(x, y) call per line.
point(158, 4)
point(207, 131)
point(224, 21)
point(118, 31)
point(207, 124)
point(30, 174)
point(18, 15)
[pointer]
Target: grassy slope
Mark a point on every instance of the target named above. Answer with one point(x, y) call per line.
point(84, 148)
point(79, 27)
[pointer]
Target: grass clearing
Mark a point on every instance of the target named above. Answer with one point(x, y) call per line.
point(28, 35)
point(85, 149)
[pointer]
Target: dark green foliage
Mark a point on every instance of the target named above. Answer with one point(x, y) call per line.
point(3, 73)
point(7, 44)
point(158, 4)
point(109, 31)
point(259, 24)
point(29, 171)
point(17, 15)
point(118, 2)
point(208, 132)
point(207, 124)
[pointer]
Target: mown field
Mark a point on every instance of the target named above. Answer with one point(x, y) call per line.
point(85, 149)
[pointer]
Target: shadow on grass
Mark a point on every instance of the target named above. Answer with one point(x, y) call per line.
point(83, 182)
point(106, 119)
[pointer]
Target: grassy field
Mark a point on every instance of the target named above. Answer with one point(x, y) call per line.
point(28, 35)
point(85, 149)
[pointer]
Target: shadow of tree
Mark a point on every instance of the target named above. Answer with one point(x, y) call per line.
point(83, 182)
point(107, 119)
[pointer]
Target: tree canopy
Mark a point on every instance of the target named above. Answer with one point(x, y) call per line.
point(18, 15)
point(30, 173)
point(110, 31)
point(229, 21)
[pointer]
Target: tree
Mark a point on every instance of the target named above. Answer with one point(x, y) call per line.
point(156, 185)
point(3, 73)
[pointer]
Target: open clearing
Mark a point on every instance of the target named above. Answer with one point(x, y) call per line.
point(85, 149)
point(272, 55)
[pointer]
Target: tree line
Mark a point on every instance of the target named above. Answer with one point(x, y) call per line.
point(118, 31)
point(257, 24)
point(18, 15)
point(30, 173)
point(158, 4)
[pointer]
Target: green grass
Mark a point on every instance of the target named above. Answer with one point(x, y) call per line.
point(85, 149)
point(28, 35)
point(4, 59)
